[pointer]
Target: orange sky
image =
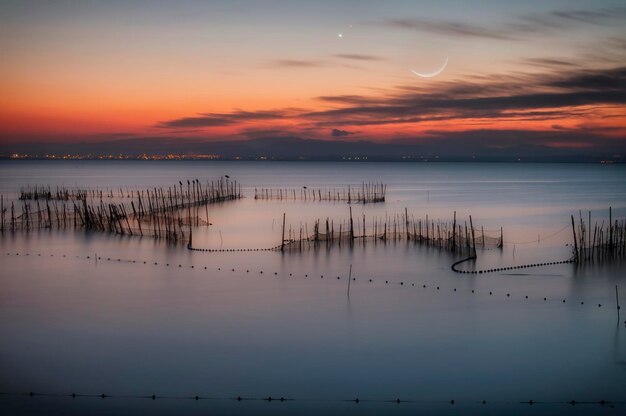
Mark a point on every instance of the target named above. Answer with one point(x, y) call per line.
point(93, 72)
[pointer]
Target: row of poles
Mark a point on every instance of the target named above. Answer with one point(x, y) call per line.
point(603, 241)
point(369, 192)
point(162, 209)
point(453, 237)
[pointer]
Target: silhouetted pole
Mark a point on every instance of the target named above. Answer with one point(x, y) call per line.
point(610, 228)
point(454, 232)
point(473, 239)
point(616, 300)
point(575, 241)
point(351, 225)
point(282, 243)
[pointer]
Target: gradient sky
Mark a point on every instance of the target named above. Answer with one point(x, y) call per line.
point(551, 72)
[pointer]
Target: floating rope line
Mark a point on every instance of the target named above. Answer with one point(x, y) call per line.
point(370, 280)
point(282, 399)
point(505, 268)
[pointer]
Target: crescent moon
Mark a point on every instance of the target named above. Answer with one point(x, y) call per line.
point(432, 74)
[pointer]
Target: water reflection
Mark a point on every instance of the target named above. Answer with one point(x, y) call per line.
point(129, 327)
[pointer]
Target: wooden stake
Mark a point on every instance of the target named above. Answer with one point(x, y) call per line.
point(282, 243)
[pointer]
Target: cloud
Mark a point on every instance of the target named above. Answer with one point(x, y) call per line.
point(549, 62)
point(525, 96)
point(297, 63)
point(358, 57)
point(569, 106)
point(448, 28)
point(341, 133)
point(218, 120)
point(522, 26)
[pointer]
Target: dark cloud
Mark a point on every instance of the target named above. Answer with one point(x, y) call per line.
point(549, 62)
point(341, 133)
point(524, 98)
point(217, 119)
point(564, 93)
point(605, 80)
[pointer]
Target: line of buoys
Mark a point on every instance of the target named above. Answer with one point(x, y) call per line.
point(502, 269)
point(240, 398)
point(401, 283)
point(232, 250)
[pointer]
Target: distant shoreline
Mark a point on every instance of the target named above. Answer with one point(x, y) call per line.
point(512, 160)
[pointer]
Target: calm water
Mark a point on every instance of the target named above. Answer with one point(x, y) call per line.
point(128, 328)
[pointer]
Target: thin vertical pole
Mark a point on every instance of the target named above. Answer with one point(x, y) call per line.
point(282, 243)
point(350, 278)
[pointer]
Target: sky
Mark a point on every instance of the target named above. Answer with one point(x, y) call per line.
point(549, 73)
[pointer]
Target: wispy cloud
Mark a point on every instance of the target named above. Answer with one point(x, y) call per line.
point(515, 29)
point(297, 63)
point(358, 57)
point(221, 119)
point(448, 28)
point(565, 90)
point(341, 133)
point(570, 106)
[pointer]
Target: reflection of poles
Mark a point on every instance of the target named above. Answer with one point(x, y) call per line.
point(349, 279)
point(617, 301)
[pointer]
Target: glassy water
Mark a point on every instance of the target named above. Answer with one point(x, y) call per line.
point(151, 318)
